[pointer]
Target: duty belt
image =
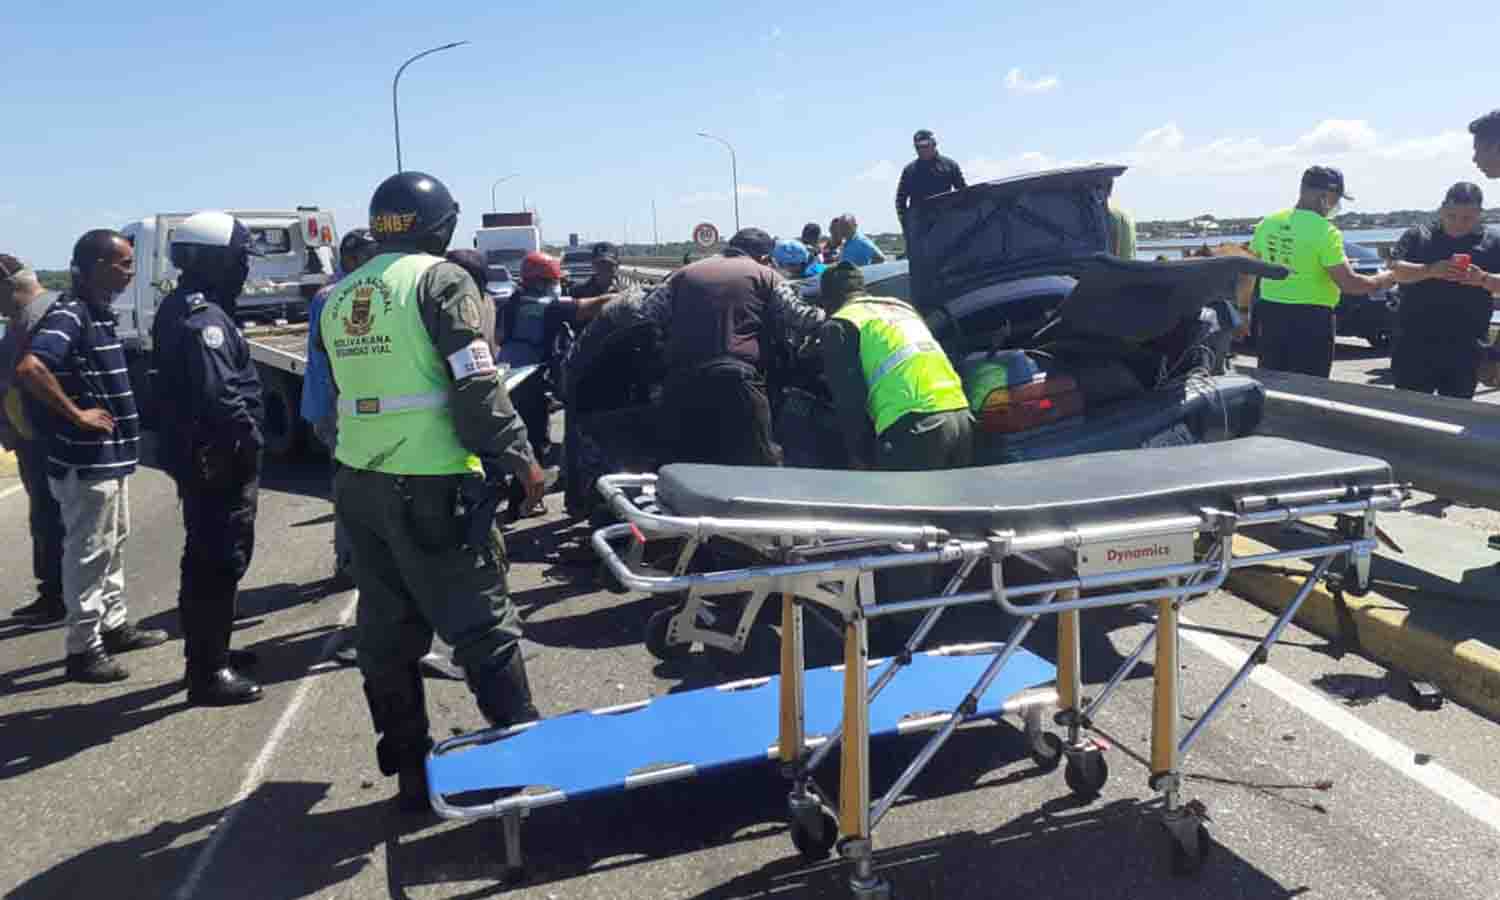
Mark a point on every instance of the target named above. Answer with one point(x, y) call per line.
point(901, 356)
point(374, 406)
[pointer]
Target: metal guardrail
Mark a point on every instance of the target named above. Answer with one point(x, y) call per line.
point(1447, 447)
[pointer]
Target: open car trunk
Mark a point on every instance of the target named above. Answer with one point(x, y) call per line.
point(1011, 228)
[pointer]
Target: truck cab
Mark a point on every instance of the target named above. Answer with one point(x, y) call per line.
point(297, 248)
point(504, 240)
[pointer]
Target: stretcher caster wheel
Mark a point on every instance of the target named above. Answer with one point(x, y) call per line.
point(815, 839)
point(658, 627)
point(1086, 773)
point(1046, 751)
point(1188, 855)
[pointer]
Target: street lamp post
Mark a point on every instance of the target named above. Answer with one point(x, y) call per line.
point(734, 168)
point(498, 182)
point(395, 82)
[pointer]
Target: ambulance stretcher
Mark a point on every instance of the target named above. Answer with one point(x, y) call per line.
point(1114, 529)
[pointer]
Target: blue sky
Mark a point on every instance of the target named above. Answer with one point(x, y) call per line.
point(117, 110)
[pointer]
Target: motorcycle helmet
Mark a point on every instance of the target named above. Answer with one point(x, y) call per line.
point(539, 266)
point(413, 209)
point(213, 250)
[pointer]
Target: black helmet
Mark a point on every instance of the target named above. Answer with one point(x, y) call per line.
point(358, 244)
point(413, 209)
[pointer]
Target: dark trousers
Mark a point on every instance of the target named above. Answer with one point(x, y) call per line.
point(530, 402)
point(46, 522)
point(1446, 368)
point(919, 442)
point(719, 413)
point(416, 577)
point(218, 513)
point(1294, 337)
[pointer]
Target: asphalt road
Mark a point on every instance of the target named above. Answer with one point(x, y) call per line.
point(125, 792)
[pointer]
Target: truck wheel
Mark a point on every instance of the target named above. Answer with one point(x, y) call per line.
point(283, 429)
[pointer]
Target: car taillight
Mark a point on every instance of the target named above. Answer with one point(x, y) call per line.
point(312, 228)
point(327, 235)
point(1028, 406)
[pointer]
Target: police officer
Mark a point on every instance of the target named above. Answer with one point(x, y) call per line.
point(210, 411)
point(900, 404)
point(423, 416)
point(605, 281)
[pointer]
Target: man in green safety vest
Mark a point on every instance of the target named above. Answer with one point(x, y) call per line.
point(424, 417)
point(900, 404)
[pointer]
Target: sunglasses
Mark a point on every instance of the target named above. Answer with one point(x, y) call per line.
point(926, 145)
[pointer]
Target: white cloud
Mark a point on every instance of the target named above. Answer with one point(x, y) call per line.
point(1167, 138)
point(1174, 174)
point(1448, 145)
point(985, 169)
point(1166, 149)
point(1338, 136)
point(1016, 83)
point(882, 171)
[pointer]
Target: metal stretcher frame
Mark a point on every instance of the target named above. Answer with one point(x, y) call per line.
point(808, 572)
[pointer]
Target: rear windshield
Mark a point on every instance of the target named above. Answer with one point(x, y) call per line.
point(272, 240)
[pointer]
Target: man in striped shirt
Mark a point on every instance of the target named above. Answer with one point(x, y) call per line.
point(76, 369)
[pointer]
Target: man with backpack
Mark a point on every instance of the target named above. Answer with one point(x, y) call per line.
point(24, 303)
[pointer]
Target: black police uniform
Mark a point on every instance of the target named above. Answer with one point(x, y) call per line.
point(209, 421)
point(1441, 322)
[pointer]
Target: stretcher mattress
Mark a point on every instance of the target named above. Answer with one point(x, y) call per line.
point(1071, 492)
point(584, 753)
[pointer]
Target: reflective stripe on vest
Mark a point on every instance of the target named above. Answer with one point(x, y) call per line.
point(393, 386)
point(905, 370)
point(374, 406)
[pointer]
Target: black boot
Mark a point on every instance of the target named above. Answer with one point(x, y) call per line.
point(411, 785)
point(503, 691)
point(398, 709)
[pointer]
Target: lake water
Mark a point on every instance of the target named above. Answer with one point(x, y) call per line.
point(1150, 249)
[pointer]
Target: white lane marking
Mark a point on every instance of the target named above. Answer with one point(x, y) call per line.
point(1439, 780)
point(11, 490)
point(258, 767)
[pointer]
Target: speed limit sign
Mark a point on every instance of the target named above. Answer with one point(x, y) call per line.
point(705, 235)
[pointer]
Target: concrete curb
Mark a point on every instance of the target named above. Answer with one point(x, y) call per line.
point(8, 466)
point(1467, 670)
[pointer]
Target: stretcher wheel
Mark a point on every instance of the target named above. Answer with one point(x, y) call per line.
point(815, 840)
point(1046, 751)
point(1189, 861)
point(656, 636)
point(1086, 773)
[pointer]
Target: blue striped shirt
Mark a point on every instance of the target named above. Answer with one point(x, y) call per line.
point(93, 373)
